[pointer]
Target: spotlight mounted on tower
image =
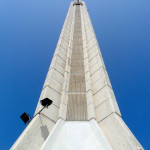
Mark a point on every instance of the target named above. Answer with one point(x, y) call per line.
point(46, 102)
point(25, 118)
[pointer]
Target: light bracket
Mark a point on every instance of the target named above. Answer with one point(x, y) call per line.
point(46, 102)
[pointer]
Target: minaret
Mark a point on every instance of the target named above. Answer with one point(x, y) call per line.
point(84, 114)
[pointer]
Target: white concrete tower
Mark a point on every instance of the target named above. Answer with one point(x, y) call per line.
point(84, 114)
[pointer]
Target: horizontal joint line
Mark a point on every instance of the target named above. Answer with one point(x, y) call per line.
point(48, 117)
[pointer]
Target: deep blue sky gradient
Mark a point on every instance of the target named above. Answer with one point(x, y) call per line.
point(29, 31)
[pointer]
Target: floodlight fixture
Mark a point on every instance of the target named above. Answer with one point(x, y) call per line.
point(46, 102)
point(25, 118)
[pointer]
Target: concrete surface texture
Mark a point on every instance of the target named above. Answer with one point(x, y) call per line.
point(70, 137)
point(84, 114)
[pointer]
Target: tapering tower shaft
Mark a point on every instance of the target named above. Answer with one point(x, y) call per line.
point(78, 84)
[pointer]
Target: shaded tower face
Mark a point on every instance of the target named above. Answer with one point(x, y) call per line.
point(84, 113)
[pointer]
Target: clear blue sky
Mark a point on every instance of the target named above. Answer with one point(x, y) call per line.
point(29, 31)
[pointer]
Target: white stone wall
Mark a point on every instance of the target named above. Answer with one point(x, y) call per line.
point(96, 75)
point(35, 134)
point(78, 84)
